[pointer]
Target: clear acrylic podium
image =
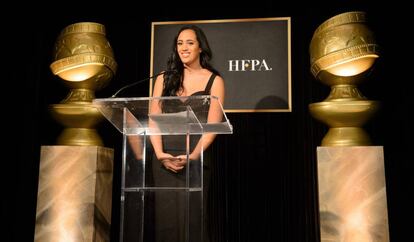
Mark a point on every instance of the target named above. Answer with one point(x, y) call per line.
point(158, 204)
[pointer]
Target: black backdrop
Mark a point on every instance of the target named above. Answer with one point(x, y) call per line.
point(264, 40)
point(265, 184)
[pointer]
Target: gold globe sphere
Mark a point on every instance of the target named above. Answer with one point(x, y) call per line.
point(83, 56)
point(343, 46)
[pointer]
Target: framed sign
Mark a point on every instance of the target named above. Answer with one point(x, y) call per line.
point(252, 56)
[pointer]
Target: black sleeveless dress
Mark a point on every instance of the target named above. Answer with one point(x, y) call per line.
point(167, 213)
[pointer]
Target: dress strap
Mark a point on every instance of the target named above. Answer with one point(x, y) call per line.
point(210, 83)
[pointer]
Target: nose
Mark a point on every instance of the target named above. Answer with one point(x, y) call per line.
point(184, 47)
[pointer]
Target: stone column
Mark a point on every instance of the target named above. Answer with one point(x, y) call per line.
point(352, 194)
point(74, 194)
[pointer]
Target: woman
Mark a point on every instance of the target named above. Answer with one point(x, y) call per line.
point(188, 73)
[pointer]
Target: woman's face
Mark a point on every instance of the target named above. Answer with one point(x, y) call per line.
point(188, 47)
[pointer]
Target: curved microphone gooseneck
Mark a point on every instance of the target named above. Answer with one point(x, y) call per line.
point(138, 82)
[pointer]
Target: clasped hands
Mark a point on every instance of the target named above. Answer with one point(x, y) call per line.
point(174, 163)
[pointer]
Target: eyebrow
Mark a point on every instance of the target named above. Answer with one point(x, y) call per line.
point(179, 40)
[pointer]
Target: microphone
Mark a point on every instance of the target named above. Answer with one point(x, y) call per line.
point(140, 81)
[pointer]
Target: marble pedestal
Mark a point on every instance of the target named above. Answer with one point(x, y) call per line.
point(74, 194)
point(352, 194)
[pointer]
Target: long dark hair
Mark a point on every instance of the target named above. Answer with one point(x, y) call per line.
point(174, 75)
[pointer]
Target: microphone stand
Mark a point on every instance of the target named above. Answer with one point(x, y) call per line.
point(138, 82)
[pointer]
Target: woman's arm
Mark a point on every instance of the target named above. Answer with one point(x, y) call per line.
point(134, 140)
point(155, 108)
point(136, 146)
point(215, 115)
point(167, 159)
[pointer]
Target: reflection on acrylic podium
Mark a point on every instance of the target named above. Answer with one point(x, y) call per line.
point(158, 204)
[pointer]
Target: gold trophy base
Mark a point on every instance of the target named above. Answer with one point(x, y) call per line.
point(79, 120)
point(346, 136)
point(79, 136)
point(345, 119)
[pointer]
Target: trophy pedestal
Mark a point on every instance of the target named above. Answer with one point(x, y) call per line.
point(75, 194)
point(352, 194)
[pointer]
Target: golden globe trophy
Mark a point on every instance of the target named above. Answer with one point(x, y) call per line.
point(75, 177)
point(351, 176)
point(85, 62)
point(343, 51)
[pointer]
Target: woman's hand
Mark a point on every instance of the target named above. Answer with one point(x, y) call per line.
point(183, 159)
point(175, 163)
point(170, 162)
